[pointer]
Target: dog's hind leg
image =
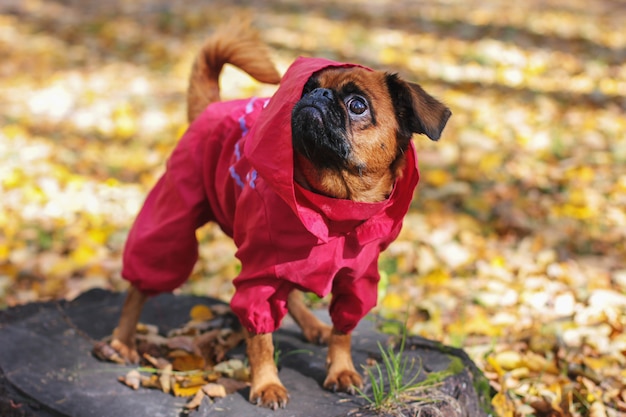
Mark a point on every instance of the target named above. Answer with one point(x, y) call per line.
point(313, 329)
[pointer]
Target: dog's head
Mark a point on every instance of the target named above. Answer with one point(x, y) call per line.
point(352, 127)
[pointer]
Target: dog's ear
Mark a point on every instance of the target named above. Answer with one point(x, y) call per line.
point(416, 110)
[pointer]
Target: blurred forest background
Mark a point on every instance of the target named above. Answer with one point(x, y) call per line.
point(515, 248)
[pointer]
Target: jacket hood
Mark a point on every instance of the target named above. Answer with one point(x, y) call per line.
point(269, 150)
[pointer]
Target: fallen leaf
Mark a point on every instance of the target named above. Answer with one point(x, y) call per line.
point(165, 379)
point(503, 406)
point(184, 343)
point(132, 379)
point(188, 362)
point(597, 409)
point(508, 360)
point(103, 351)
point(159, 363)
point(196, 400)
point(214, 390)
point(233, 368)
point(179, 391)
point(232, 385)
point(201, 312)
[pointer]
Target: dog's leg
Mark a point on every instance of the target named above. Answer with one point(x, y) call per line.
point(266, 389)
point(313, 329)
point(124, 335)
point(341, 375)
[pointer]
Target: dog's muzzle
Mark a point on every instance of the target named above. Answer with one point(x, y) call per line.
point(318, 129)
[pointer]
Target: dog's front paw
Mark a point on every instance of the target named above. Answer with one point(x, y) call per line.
point(345, 380)
point(272, 395)
point(317, 334)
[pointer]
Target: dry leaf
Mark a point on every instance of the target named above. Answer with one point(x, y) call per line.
point(196, 379)
point(180, 391)
point(188, 362)
point(215, 344)
point(158, 363)
point(597, 409)
point(132, 379)
point(503, 406)
point(196, 400)
point(508, 360)
point(151, 382)
point(201, 312)
point(103, 351)
point(214, 390)
point(230, 368)
point(232, 385)
point(185, 343)
point(165, 379)
point(147, 329)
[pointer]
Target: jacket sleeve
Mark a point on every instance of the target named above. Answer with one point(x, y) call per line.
point(353, 297)
point(162, 248)
point(261, 303)
point(260, 299)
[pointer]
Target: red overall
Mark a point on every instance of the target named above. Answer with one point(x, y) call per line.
point(234, 166)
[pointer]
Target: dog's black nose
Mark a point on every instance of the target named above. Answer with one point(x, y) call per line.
point(320, 93)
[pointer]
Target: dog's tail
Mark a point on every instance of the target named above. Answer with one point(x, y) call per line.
point(238, 44)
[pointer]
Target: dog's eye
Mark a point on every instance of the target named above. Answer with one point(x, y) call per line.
point(357, 105)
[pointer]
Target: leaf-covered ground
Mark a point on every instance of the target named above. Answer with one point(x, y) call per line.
point(515, 248)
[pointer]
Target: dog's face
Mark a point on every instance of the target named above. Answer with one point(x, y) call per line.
point(351, 128)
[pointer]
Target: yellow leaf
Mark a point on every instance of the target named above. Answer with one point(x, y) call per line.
point(577, 197)
point(438, 177)
point(181, 391)
point(63, 266)
point(112, 182)
point(495, 365)
point(508, 359)
point(477, 322)
point(82, 255)
point(503, 406)
point(201, 312)
point(598, 364)
point(98, 236)
point(12, 131)
point(14, 178)
point(538, 363)
point(196, 401)
point(4, 251)
point(582, 173)
point(125, 121)
point(436, 277)
point(498, 262)
point(199, 378)
point(393, 301)
point(389, 55)
point(490, 162)
point(182, 130)
point(574, 211)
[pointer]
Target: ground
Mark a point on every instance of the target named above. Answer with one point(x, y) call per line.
point(515, 246)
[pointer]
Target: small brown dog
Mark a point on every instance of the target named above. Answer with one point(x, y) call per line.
point(311, 184)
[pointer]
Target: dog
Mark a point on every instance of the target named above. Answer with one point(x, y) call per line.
point(312, 184)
